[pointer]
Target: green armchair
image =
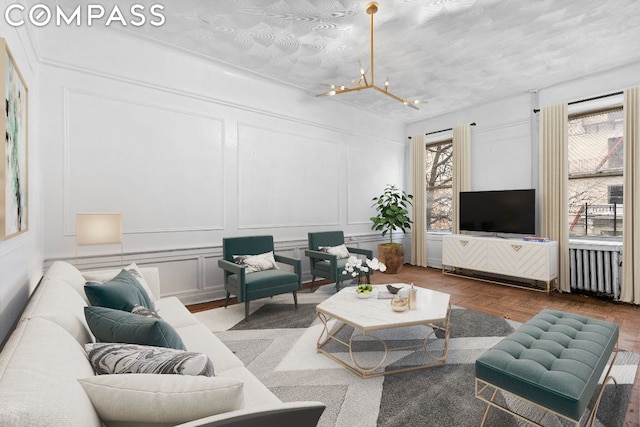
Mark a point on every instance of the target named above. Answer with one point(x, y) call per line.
point(329, 266)
point(258, 284)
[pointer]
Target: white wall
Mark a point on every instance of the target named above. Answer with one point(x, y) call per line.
point(192, 152)
point(21, 256)
point(500, 141)
point(504, 143)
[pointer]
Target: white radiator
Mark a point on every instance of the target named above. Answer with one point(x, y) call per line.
point(596, 267)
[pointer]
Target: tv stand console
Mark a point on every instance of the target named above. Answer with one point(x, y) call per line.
point(536, 261)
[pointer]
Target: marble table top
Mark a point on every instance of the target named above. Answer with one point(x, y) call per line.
point(374, 313)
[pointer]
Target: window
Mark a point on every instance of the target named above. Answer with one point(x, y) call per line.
point(439, 177)
point(615, 194)
point(615, 155)
point(596, 163)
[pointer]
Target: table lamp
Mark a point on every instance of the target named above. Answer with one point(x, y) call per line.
point(98, 228)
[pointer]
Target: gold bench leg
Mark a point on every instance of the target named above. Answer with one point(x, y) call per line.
point(592, 416)
point(483, 387)
point(486, 411)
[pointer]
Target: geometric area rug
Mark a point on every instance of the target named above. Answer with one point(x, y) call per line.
point(277, 343)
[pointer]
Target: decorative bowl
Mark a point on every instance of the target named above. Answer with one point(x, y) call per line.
point(393, 289)
point(364, 290)
point(399, 304)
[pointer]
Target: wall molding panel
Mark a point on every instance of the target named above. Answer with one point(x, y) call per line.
point(378, 162)
point(141, 162)
point(199, 96)
point(192, 274)
point(303, 170)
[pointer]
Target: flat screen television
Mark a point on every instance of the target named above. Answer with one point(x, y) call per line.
point(506, 211)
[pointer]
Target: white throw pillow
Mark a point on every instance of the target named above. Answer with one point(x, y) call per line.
point(117, 358)
point(162, 399)
point(340, 251)
point(255, 263)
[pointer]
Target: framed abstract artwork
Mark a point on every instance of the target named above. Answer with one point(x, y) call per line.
point(13, 155)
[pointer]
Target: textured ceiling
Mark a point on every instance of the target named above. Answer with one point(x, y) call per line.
point(451, 53)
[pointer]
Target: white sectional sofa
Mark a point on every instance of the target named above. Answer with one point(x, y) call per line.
point(45, 372)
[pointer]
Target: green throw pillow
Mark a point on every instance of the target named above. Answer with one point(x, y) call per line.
point(109, 325)
point(123, 292)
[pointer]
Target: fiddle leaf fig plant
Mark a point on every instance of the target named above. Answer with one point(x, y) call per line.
point(392, 213)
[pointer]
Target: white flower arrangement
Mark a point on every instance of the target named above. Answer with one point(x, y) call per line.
point(356, 266)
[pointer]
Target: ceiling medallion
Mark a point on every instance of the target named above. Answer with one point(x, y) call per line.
point(365, 83)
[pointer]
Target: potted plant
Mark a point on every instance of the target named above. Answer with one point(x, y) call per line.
point(392, 214)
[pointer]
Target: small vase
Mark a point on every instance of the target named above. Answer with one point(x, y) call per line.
point(399, 304)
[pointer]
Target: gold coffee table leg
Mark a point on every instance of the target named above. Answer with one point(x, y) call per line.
point(445, 327)
point(363, 369)
point(327, 334)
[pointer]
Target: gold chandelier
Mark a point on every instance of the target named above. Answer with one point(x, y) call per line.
point(365, 83)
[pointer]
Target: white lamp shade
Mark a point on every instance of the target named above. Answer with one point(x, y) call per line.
point(98, 228)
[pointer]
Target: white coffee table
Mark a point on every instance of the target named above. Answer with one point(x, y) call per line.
point(372, 314)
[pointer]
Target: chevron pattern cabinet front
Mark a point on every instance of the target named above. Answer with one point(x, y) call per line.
point(465, 252)
point(508, 257)
point(529, 260)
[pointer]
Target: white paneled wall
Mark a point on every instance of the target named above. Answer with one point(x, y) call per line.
point(499, 151)
point(191, 152)
point(154, 162)
point(296, 177)
point(371, 166)
point(193, 274)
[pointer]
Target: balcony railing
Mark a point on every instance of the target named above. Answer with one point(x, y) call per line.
point(596, 220)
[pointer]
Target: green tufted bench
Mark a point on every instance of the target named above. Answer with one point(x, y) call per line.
point(554, 361)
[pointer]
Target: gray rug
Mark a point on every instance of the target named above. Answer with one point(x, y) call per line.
point(273, 316)
point(283, 357)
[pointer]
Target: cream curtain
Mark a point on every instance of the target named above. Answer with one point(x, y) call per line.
point(630, 291)
point(419, 228)
point(553, 184)
point(461, 169)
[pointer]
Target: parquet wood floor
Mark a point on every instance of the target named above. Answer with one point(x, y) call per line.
point(520, 305)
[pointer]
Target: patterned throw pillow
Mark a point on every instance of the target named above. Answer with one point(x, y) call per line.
point(144, 311)
point(116, 358)
point(255, 263)
point(340, 251)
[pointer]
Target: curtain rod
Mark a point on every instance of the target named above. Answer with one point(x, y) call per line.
point(444, 130)
point(537, 110)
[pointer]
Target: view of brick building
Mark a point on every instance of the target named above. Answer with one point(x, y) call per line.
point(595, 174)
